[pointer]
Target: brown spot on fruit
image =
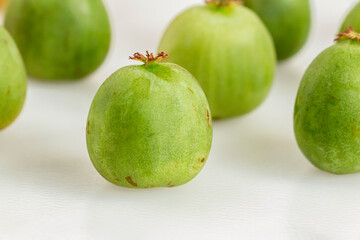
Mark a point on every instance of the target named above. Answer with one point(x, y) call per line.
point(332, 99)
point(151, 134)
point(356, 130)
point(6, 42)
point(208, 117)
point(116, 92)
point(170, 184)
point(130, 181)
point(300, 98)
point(191, 90)
point(88, 127)
point(203, 160)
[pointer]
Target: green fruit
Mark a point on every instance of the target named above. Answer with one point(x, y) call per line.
point(327, 110)
point(288, 21)
point(12, 80)
point(353, 19)
point(229, 50)
point(149, 126)
point(64, 39)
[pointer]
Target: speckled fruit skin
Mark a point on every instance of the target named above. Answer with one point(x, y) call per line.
point(12, 80)
point(229, 50)
point(327, 110)
point(59, 40)
point(149, 127)
point(353, 19)
point(288, 22)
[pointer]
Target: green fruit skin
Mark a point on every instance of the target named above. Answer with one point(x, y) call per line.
point(327, 110)
point(352, 20)
point(13, 82)
point(64, 39)
point(230, 52)
point(288, 22)
point(149, 127)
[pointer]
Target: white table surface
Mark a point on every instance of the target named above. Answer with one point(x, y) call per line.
point(255, 185)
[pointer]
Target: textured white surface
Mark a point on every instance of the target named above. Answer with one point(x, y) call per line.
point(256, 184)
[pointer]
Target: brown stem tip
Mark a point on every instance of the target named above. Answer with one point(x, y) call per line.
point(224, 2)
point(150, 57)
point(349, 34)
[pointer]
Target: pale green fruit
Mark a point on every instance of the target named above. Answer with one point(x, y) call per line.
point(229, 50)
point(327, 110)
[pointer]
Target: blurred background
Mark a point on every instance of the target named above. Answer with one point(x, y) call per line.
point(255, 185)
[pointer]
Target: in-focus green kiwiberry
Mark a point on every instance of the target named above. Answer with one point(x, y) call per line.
point(149, 126)
point(327, 109)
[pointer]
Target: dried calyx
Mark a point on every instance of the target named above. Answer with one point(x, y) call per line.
point(150, 57)
point(224, 2)
point(348, 34)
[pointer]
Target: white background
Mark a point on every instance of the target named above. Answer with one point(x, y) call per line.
point(255, 185)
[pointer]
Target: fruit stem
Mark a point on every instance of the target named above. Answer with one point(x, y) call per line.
point(224, 2)
point(149, 57)
point(349, 34)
